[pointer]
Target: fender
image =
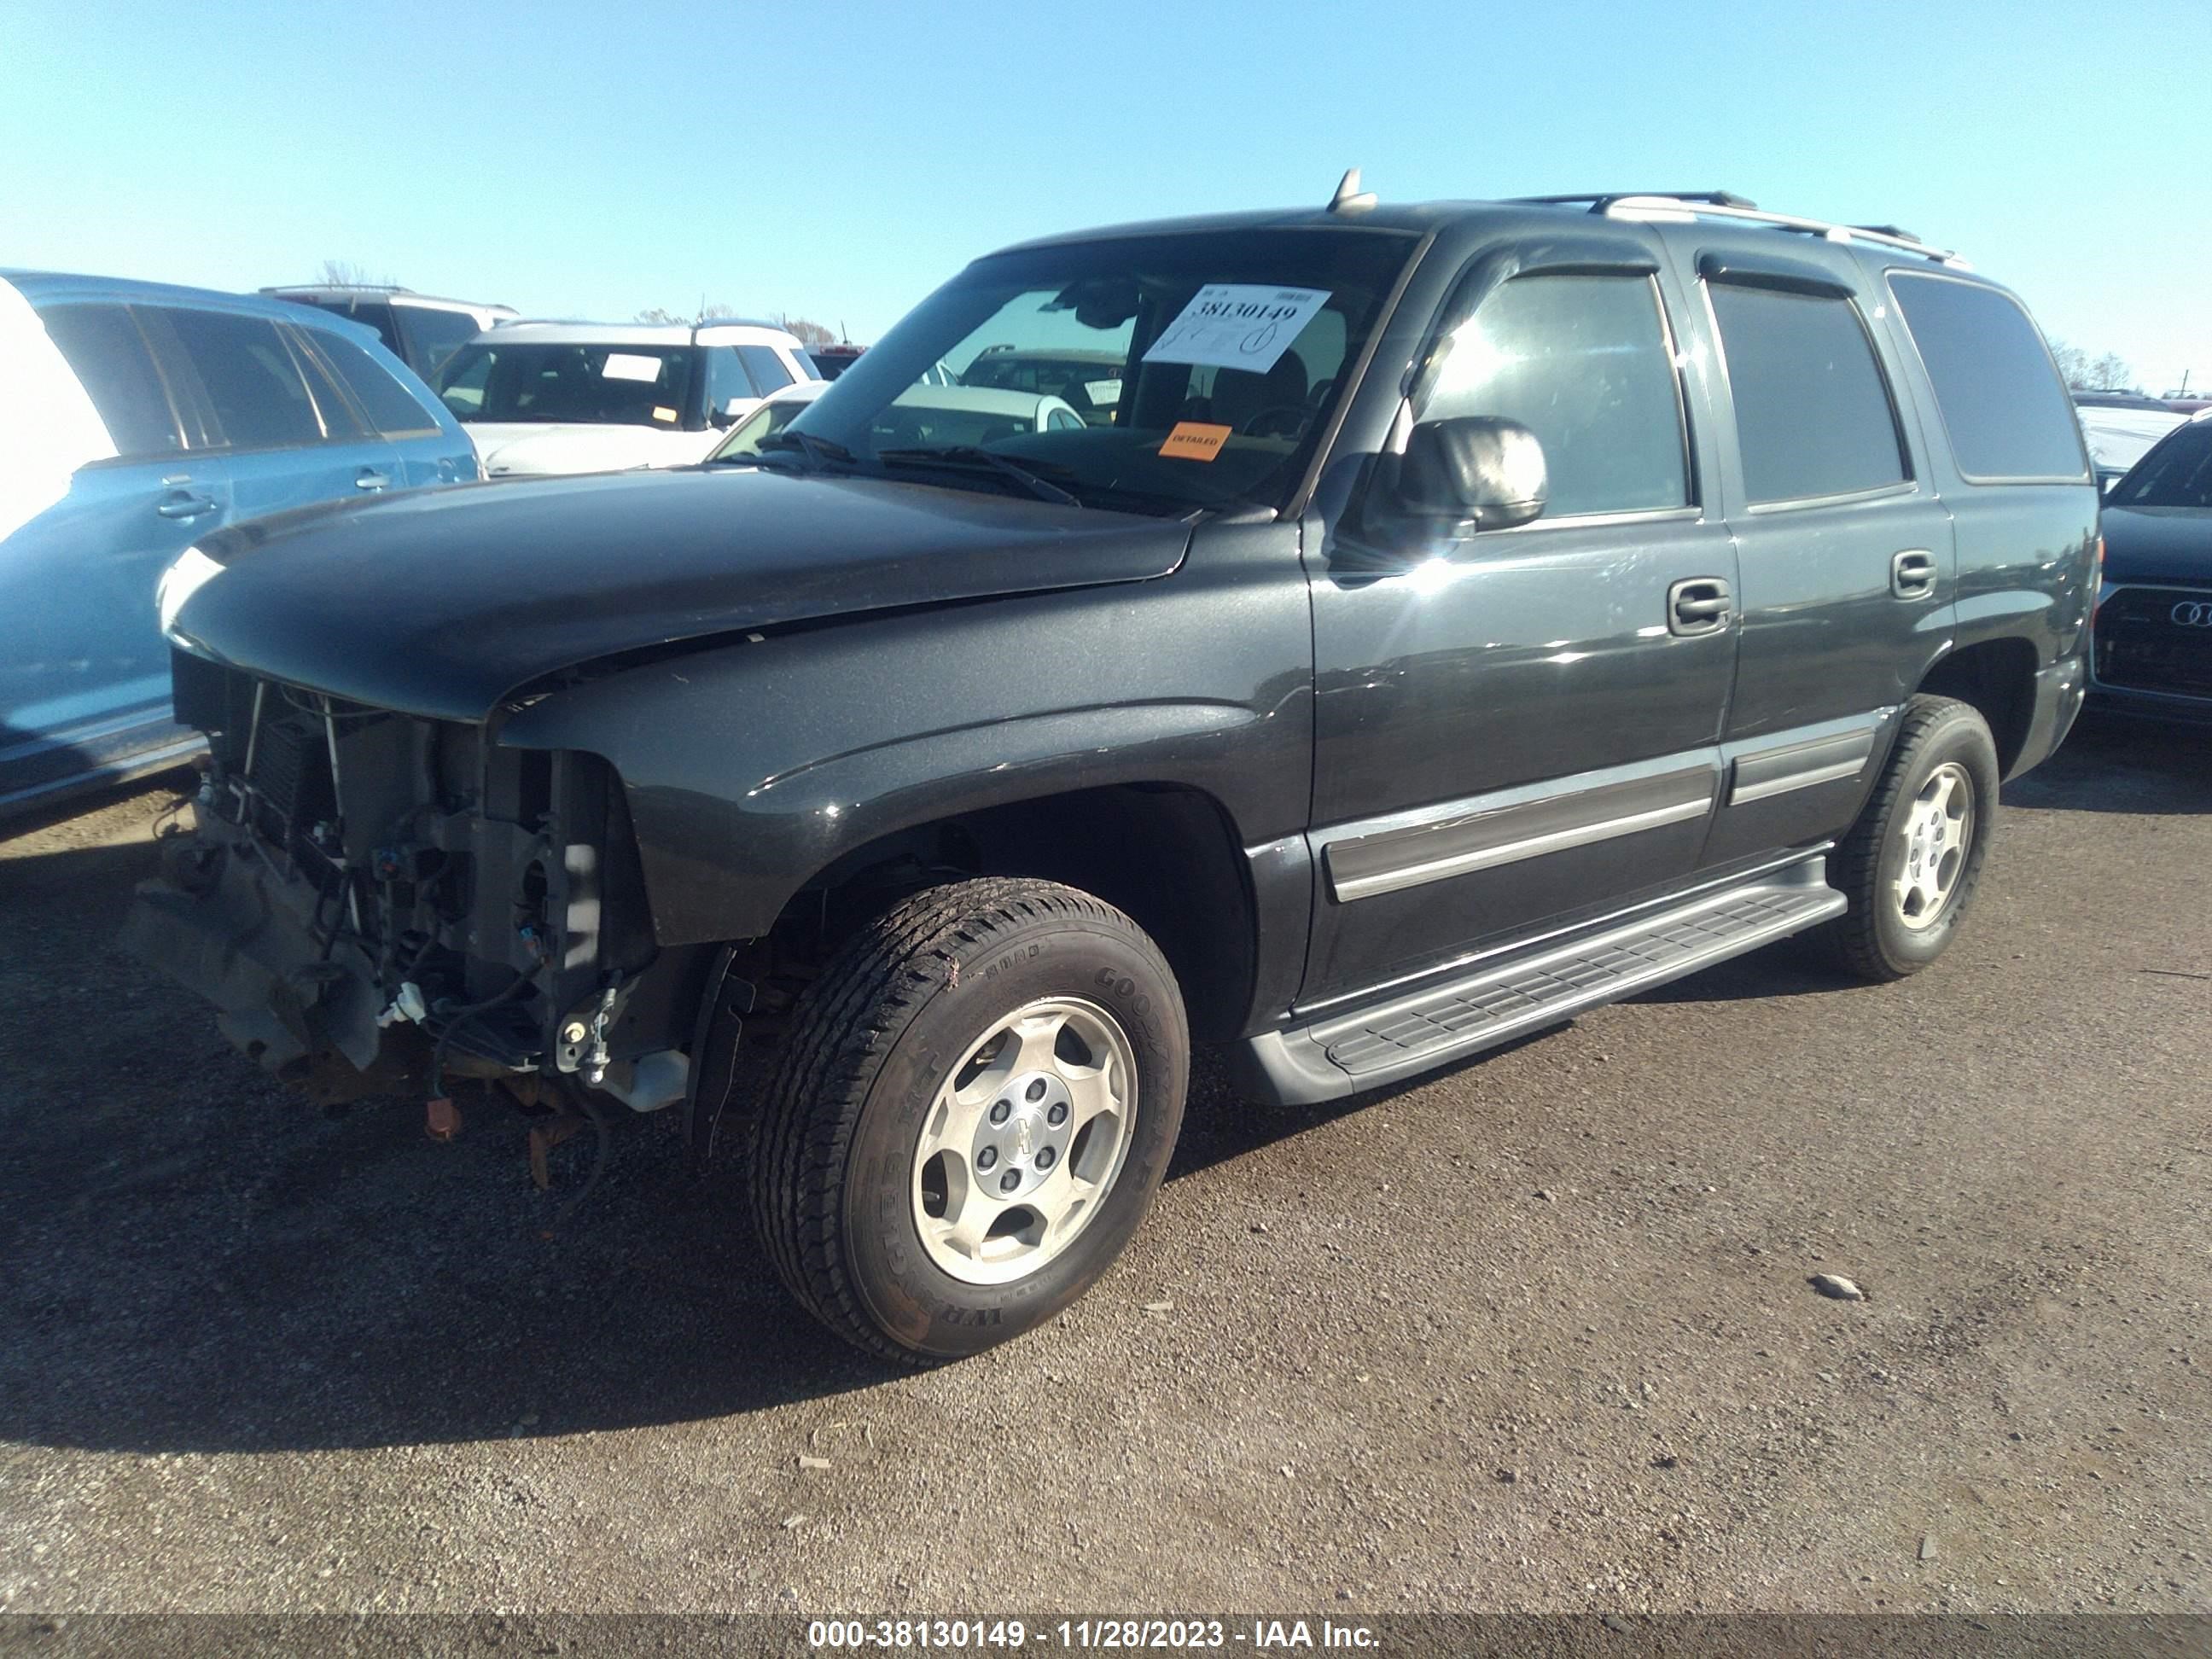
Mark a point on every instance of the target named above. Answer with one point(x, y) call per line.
point(751, 767)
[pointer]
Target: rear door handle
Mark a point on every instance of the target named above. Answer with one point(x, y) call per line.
point(369, 478)
point(1912, 574)
point(181, 505)
point(1698, 604)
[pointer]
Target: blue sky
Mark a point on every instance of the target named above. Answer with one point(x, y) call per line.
point(839, 160)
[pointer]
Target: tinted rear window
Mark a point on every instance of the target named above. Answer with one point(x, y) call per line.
point(2007, 414)
point(113, 364)
point(250, 377)
point(389, 406)
point(1813, 413)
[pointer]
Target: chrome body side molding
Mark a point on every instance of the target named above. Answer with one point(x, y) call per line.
point(1803, 756)
point(1458, 838)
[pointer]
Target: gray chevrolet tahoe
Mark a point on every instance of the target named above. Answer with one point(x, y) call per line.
point(1450, 618)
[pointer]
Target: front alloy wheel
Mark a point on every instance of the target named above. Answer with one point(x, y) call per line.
point(1024, 1141)
point(975, 1104)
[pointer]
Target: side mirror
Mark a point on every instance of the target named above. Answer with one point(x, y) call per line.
point(1470, 473)
point(727, 417)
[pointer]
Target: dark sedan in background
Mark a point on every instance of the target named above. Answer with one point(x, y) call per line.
point(2154, 654)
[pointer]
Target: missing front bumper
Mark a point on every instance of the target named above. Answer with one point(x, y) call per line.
point(281, 996)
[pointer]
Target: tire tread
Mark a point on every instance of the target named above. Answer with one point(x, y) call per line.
point(842, 1029)
point(1851, 943)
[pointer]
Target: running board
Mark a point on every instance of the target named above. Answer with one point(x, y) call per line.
point(1342, 1053)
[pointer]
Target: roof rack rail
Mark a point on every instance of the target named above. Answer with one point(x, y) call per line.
point(1685, 207)
point(1600, 200)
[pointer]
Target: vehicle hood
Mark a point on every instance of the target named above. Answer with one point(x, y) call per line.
point(442, 603)
point(534, 448)
point(2158, 544)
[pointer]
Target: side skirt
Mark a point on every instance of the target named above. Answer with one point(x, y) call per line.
point(1386, 1043)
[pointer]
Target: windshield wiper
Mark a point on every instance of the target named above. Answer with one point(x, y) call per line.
point(971, 455)
point(806, 443)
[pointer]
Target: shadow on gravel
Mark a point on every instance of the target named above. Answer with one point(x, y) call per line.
point(198, 1260)
point(2112, 765)
point(201, 1263)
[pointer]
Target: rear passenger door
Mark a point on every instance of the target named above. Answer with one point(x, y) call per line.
point(1844, 548)
point(291, 436)
point(84, 672)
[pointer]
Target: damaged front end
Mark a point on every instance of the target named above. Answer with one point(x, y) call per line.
point(380, 903)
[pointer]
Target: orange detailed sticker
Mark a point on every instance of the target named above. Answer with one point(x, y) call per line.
point(1194, 441)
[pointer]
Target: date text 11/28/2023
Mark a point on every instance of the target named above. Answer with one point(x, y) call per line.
point(1260, 1635)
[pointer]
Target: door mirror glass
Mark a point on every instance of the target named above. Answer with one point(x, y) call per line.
point(1469, 473)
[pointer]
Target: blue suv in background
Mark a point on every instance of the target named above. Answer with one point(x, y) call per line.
point(134, 419)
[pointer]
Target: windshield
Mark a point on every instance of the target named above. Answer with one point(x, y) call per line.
point(1161, 374)
point(2176, 473)
point(594, 384)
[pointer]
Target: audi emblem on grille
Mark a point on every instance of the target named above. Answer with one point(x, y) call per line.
point(2193, 613)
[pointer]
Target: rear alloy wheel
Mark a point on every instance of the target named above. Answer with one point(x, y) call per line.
point(1909, 866)
point(1934, 833)
point(976, 1105)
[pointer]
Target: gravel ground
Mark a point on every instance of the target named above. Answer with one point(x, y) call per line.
point(1534, 1334)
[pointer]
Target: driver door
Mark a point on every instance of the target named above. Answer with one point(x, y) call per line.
point(1527, 732)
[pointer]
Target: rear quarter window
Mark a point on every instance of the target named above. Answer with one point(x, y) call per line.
point(390, 407)
point(2004, 409)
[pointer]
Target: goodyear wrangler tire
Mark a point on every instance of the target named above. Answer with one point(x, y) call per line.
point(1910, 864)
point(974, 1105)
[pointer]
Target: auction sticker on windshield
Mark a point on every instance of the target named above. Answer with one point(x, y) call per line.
point(1194, 441)
point(1247, 325)
point(630, 366)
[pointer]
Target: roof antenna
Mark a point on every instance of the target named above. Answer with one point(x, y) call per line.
point(1349, 197)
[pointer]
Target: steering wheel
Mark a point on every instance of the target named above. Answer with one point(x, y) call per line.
point(1282, 420)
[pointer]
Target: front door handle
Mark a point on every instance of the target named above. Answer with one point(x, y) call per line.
point(1912, 574)
point(178, 505)
point(369, 478)
point(1700, 604)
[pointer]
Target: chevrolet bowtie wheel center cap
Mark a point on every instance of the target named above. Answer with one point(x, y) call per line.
point(1025, 1133)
